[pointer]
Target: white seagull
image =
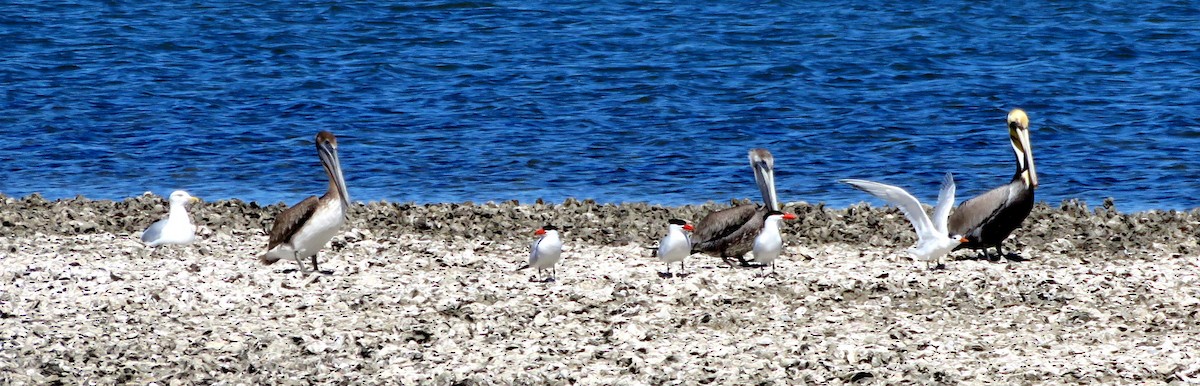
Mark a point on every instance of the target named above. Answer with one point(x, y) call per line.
point(932, 242)
point(177, 228)
point(769, 243)
point(546, 251)
point(676, 245)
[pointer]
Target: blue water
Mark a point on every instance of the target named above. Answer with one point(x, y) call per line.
point(615, 101)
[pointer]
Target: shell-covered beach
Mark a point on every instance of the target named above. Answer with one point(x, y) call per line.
point(427, 294)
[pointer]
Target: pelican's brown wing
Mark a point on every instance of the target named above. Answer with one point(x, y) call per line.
point(723, 232)
point(290, 221)
point(989, 218)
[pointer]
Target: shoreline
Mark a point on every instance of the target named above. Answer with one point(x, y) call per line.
point(1069, 227)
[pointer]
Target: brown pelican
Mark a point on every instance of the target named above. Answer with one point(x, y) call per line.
point(177, 228)
point(932, 243)
point(989, 218)
point(730, 233)
point(546, 251)
point(302, 230)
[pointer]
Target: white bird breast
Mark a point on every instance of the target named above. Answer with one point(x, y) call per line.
point(767, 246)
point(929, 250)
point(319, 229)
point(769, 243)
point(547, 251)
point(170, 231)
point(675, 247)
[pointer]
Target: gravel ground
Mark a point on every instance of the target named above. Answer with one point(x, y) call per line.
point(427, 294)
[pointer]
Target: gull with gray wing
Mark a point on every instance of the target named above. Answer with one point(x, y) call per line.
point(177, 228)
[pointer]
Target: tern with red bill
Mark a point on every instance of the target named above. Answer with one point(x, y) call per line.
point(769, 243)
point(302, 230)
point(730, 233)
point(545, 252)
point(677, 245)
point(932, 243)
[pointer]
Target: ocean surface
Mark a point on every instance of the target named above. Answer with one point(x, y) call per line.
point(617, 101)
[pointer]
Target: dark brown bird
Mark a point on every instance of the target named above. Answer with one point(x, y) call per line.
point(302, 230)
point(730, 233)
point(987, 219)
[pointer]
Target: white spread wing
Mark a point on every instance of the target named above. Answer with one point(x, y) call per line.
point(901, 199)
point(941, 212)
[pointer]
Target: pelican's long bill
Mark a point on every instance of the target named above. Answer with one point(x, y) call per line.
point(764, 175)
point(327, 150)
point(1018, 133)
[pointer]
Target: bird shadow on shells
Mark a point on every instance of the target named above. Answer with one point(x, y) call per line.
point(1070, 227)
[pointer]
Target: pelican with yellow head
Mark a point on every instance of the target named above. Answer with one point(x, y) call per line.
point(989, 218)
